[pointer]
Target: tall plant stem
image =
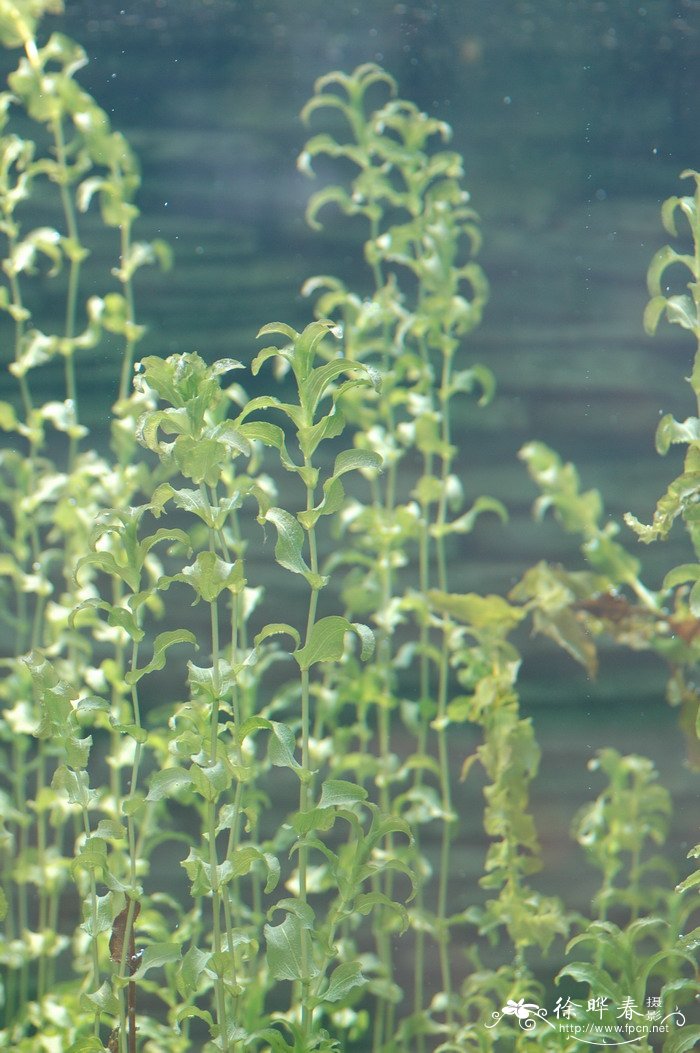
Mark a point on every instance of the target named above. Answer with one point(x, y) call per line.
point(211, 836)
point(422, 736)
point(73, 279)
point(133, 843)
point(130, 333)
point(442, 699)
point(305, 783)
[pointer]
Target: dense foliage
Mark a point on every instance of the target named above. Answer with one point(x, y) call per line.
point(157, 710)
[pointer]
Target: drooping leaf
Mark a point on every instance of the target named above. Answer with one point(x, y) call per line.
point(162, 643)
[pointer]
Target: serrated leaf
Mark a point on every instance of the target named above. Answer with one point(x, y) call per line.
point(670, 431)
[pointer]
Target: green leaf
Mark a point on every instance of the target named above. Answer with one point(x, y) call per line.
point(210, 780)
point(194, 964)
point(278, 327)
point(482, 612)
point(680, 310)
point(156, 955)
point(598, 979)
point(161, 645)
point(322, 376)
point(103, 999)
point(652, 313)
point(135, 731)
point(370, 901)
point(277, 629)
point(104, 918)
point(683, 1040)
point(662, 259)
point(671, 431)
point(477, 376)
point(681, 574)
point(190, 1012)
point(125, 619)
point(342, 980)
point(692, 881)
point(326, 642)
point(281, 747)
point(465, 523)
point(245, 858)
point(208, 576)
point(338, 793)
point(290, 541)
point(75, 785)
point(356, 460)
point(284, 957)
point(168, 782)
point(313, 819)
point(87, 1044)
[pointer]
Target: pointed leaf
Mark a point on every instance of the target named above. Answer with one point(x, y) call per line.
point(342, 981)
point(338, 793)
point(161, 645)
point(326, 642)
point(155, 955)
point(166, 782)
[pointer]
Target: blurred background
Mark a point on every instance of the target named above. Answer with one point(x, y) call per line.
point(575, 118)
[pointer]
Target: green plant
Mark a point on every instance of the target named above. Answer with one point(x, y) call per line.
point(122, 756)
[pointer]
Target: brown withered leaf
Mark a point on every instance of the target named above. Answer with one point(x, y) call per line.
point(116, 940)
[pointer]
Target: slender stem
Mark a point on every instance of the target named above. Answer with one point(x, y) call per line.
point(305, 782)
point(73, 277)
point(218, 901)
point(128, 292)
point(442, 699)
